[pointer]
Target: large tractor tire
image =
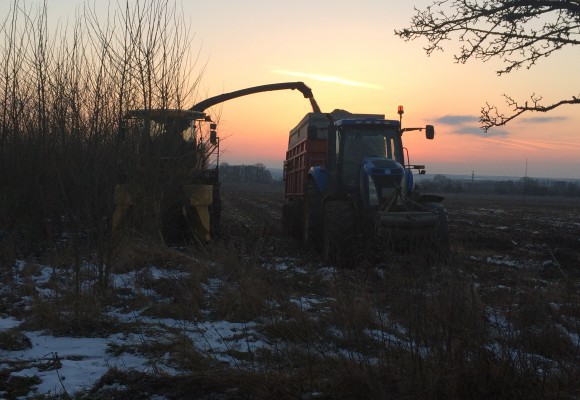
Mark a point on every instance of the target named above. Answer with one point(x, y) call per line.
point(440, 238)
point(338, 233)
point(312, 216)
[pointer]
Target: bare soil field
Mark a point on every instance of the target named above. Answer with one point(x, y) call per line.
point(513, 231)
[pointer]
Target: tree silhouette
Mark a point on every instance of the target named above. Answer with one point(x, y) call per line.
point(519, 32)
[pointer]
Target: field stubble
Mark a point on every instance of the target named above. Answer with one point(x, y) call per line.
point(501, 318)
point(255, 315)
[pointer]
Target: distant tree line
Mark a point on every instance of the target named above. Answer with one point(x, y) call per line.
point(522, 186)
point(256, 173)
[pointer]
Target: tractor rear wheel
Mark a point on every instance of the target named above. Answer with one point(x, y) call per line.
point(312, 216)
point(338, 232)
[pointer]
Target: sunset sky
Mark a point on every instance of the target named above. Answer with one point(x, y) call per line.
point(346, 51)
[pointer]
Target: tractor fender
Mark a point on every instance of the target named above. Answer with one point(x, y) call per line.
point(318, 174)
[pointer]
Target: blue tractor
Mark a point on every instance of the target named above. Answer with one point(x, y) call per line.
point(358, 188)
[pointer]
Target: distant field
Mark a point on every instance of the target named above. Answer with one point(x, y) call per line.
point(275, 187)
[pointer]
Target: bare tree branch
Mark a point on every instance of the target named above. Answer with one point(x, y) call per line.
point(490, 115)
point(519, 32)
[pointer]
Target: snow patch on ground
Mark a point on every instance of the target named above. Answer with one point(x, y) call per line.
point(66, 364)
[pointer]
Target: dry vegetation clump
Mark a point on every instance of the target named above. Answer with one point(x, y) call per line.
point(207, 384)
point(245, 300)
point(160, 281)
point(176, 296)
point(133, 253)
point(74, 316)
point(61, 301)
point(18, 386)
point(245, 290)
point(12, 339)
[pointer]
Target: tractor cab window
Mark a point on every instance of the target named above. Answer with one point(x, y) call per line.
point(170, 136)
point(355, 144)
point(171, 129)
point(393, 149)
point(359, 146)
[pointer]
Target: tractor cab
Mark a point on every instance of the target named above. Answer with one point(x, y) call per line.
point(368, 159)
point(365, 143)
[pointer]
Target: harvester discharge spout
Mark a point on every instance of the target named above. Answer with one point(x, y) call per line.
point(300, 86)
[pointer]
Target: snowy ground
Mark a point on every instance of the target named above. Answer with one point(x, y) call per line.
point(73, 364)
point(64, 363)
point(69, 364)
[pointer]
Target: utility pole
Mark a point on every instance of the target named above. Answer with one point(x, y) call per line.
point(525, 181)
point(472, 179)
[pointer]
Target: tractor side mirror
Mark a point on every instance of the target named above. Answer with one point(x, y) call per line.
point(429, 132)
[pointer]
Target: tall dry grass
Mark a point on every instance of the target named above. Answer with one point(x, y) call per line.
point(64, 86)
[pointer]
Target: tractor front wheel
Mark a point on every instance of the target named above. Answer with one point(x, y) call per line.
point(312, 216)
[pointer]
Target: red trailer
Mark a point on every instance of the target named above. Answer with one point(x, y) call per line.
point(307, 147)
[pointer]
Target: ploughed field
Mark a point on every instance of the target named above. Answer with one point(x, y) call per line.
point(523, 233)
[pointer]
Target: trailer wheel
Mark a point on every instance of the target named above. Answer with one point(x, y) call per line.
point(338, 233)
point(292, 218)
point(312, 216)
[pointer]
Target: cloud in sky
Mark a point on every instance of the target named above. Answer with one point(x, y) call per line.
point(543, 120)
point(469, 125)
point(477, 131)
point(456, 119)
point(327, 78)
